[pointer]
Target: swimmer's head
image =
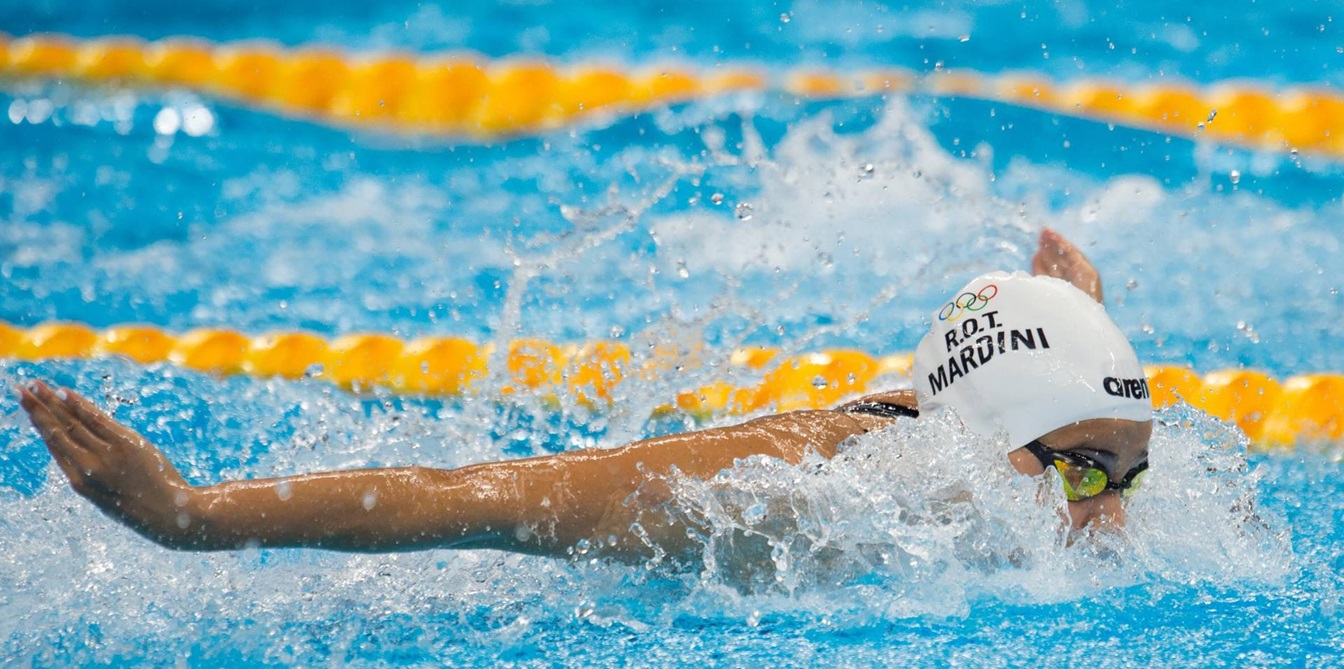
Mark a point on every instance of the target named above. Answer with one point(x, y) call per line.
point(1028, 355)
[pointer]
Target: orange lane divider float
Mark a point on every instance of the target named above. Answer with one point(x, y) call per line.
point(470, 96)
point(1304, 408)
point(457, 94)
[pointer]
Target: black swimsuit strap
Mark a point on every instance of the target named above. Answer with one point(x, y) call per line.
point(882, 409)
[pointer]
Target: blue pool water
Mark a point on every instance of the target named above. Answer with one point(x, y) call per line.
point(750, 219)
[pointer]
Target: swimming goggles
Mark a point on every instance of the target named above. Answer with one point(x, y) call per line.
point(1084, 477)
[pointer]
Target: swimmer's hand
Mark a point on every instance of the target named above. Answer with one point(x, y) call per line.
point(1059, 258)
point(108, 463)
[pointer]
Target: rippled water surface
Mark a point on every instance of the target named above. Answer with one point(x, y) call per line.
point(754, 219)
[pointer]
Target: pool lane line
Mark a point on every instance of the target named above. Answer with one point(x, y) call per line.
point(471, 97)
point(1302, 408)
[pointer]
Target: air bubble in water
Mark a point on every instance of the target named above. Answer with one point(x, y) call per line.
point(754, 513)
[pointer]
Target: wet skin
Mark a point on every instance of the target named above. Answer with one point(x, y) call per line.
point(1118, 445)
point(543, 505)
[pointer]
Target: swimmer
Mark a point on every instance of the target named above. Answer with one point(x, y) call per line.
point(1033, 357)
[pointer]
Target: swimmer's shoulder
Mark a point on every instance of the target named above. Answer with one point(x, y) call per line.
point(790, 434)
point(896, 403)
point(876, 410)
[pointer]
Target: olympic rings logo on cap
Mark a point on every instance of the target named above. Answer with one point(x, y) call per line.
point(954, 310)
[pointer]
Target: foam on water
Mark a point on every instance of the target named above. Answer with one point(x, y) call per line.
point(821, 237)
point(923, 518)
point(700, 218)
point(920, 519)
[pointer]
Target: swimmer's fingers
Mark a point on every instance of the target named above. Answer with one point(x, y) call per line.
point(97, 422)
point(1059, 258)
point(77, 462)
point(137, 461)
point(57, 401)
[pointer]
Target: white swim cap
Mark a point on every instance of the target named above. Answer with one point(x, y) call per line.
point(1028, 355)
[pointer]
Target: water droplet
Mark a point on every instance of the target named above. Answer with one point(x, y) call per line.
point(1212, 113)
point(583, 610)
point(183, 520)
point(716, 198)
point(197, 120)
point(1235, 177)
point(167, 121)
point(681, 269)
point(370, 500)
point(284, 490)
point(754, 513)
point(743, 211)
point(785, 18)
point(18, 110)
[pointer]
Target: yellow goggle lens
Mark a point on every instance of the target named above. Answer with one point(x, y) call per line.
point(1080, 482)
point(1134, 483)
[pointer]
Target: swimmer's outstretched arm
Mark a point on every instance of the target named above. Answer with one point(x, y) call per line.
point(362, 510)
point(543, 505)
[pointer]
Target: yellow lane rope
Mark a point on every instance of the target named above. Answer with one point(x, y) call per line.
point(466, 95)
point(1273, 413)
